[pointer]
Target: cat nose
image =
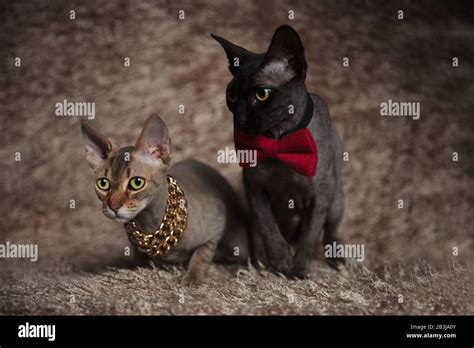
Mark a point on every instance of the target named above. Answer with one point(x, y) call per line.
point(241, 121)
point(116, 201)
point(114, 206)
point(241, 115)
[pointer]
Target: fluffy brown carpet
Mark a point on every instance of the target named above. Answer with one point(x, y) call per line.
point(409, 268)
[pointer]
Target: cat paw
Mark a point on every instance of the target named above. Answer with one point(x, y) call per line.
point(299, 272)
point(335, 262)
point(258, 255)
point(283, 265)
point(260, 262)
point(191, 279)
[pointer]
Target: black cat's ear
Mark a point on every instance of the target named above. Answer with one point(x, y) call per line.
point(98, 147)
point(286, 47)
point(154, 141)
point(235, 54)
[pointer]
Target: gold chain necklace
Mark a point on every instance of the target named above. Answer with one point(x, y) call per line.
point(171, 228)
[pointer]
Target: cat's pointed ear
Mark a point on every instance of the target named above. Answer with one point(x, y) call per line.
point(286, 47)
point(154, 142)
point(235, 54)
point(98, 147)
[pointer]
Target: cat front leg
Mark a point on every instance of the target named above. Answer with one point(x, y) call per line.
point(277, 250)
point(310, 231)
point(200, 263)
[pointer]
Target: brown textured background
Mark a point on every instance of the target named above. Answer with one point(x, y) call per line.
point(173, 62)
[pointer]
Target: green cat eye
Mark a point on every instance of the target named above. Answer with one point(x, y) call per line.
point(136, 183)
point(103, 184)
point(263, 93)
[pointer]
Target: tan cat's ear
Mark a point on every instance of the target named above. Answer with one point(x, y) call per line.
point(98, 147)
point(154, 141)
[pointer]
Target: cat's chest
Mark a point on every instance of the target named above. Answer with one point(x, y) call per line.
point(285, 188)
point(178, 255)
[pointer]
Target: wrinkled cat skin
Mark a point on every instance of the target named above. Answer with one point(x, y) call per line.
point(216, 221)
point(271, 186)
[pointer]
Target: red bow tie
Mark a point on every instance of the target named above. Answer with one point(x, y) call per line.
point(298, 150)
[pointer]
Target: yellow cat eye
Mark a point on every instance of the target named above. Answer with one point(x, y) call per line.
point(263, 93)
point(136, 183)
point(103, 184)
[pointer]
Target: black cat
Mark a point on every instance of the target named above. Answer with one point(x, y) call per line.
point(290, 201)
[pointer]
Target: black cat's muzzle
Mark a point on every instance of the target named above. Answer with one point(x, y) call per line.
point(249, 125)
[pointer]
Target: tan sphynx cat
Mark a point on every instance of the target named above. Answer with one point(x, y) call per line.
point(133, 184)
